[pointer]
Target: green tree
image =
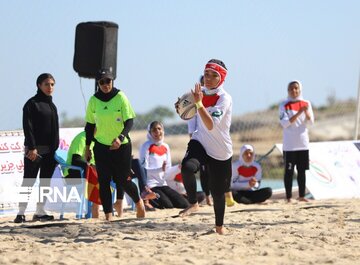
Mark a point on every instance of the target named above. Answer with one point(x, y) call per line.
point(159, 113)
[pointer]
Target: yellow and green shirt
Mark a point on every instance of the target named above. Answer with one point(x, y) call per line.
point(109, 117)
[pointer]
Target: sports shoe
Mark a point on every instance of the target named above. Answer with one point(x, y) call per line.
point(230, 202)
point(20, 218)
point(44, 217)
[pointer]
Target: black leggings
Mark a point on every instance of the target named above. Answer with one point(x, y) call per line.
point(204, 180)
point(139, 173)
point(217, 171)
point(116, 165)
point(252, 196)
point(168, 199)
point(301, 160)
point(46, 165)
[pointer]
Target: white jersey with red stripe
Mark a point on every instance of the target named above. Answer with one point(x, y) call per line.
point(217, 142)
point(295, 135)
point(152, 157)
point(242, 173)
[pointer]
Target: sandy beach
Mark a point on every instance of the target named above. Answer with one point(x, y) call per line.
point(317, 232)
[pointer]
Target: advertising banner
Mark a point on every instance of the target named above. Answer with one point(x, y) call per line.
point(334, 169)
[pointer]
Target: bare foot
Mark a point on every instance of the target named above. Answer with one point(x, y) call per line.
point(118, 206)
point(220, 230)
point(208, 201)
point(148, 194)
point(189, 210)
point(288, 200)
point(148, 206)
point(140, 209)
point(108, 217)
point(302, 199)
point(95, 210)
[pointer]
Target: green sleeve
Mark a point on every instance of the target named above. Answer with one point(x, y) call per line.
point(127, 110)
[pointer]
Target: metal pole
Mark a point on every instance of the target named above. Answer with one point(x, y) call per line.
point(357, 112)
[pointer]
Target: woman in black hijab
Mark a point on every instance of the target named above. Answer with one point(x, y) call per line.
point(41, 131)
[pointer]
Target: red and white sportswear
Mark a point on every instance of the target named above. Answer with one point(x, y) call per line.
point(295, 135)
point(217, 142)
point(242, 172)
point(152, 157)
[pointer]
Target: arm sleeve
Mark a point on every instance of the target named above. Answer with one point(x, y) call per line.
point(258, 174)
point(192, 125)
point(311, 121)
point(258, 177)
point(90, 121)
point(238, 184)
point(168, 158)
point(284, 117)
point(28, 127)
point(128, 124)
point(89, 130)
point(78, 161)
point(221, 107)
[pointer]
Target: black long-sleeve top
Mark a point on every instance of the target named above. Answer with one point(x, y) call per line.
point(41, 122)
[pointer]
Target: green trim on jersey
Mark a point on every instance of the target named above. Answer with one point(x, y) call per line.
point(109, 117)
point(77, 147)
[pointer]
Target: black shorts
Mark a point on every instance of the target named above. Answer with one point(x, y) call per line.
point(299, 158)
point(218, 172)
point(196, 150)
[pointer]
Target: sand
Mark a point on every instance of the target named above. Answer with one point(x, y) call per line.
point(317, 232)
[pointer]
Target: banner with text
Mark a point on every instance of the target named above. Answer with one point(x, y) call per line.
point(334, 169)
point(12, 166)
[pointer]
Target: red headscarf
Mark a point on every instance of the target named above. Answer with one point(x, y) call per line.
point(221, 71)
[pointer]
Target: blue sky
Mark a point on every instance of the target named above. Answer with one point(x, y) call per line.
point(164, 44)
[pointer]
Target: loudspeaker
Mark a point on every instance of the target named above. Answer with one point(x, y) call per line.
point(95, 48)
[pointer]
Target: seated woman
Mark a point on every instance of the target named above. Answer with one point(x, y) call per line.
point(156, 159)
point(246, 178)
point(75, 157)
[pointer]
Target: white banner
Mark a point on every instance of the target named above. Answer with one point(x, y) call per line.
point(334, 169)
point(12, 165)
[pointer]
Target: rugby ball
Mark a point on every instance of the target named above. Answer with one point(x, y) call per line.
point(186, 107)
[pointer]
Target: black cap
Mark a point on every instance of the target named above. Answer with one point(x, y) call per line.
point(104, 73)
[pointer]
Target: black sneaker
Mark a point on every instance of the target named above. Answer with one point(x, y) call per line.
point(20, 218)
point(44, 217)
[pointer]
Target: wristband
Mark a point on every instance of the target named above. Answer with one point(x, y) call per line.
point(121, 137)
point(199, 104)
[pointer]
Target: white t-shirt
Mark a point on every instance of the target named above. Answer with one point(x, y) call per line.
point(152, 157)
point(217, 142)
point(192, 125)
point(242, 173)
point(295, 135)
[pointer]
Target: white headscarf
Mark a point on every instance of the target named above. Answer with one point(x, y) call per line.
point(300, 88)
point(150, 137)
point(242, 151)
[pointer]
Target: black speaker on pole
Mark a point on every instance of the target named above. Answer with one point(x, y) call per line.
point(95, 48)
